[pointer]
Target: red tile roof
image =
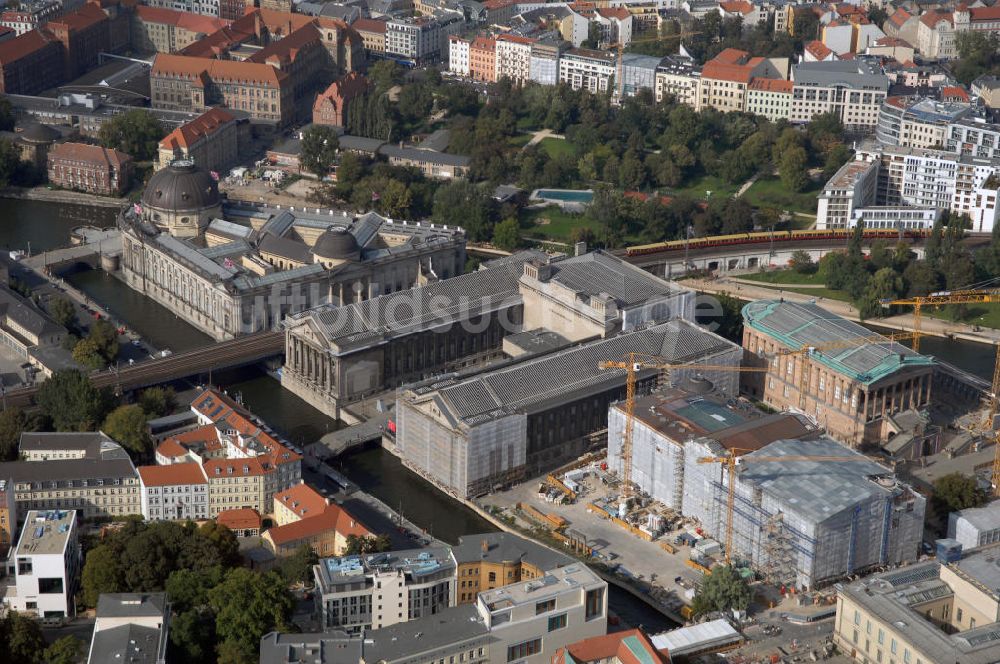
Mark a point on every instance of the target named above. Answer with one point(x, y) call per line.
point(985, 13)
point(191, 132)
point(193, 67)
point(935, 16)
point(287, 50)
point(301, 499)
point(772, 85)
point(617, 13)
point(951, 92)
point(239, 519)
point(86, 16)
point(731, 56)
point(14, 49)
point(333, 518)
point(249, 467)
point(369, 25)
point(234, 416)
point(94, 154)
point(612, 646)
point(186, 20)
point(737, 7)
point(172, 474)
point(818, 49)
point(516, 39)
point(899, 17)
point(171, 449)
point(483, 44)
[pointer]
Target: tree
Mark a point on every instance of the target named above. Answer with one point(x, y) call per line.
point(319, 149)
point(137, 133)
point(188, 588)
point(956, 491)
point(792, 168)
point(104, 336)
point(86, 353)
point(12, 424)
point(192, 636)
point(802, 262)
point(722, 590)
point(127, 425)
point(507, 234)
point(157, 401)
point(385, 74)
point(6, 115)
point(464, 204)
point(358, 545)
point(247, 606)
point(10, 163)
point(62, 311)
point(223, 540)
point(102, 573)
point(71, 402)
point(21, 640)
point(67, 650)
point(298, 567)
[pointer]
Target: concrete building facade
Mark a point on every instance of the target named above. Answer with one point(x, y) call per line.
point(47, 563)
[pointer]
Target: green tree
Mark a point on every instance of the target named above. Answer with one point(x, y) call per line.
point(137, 133)
point(223, 540)
point(67, 650)
point(21, 640)
point(722, 590)
point(192, 636)
point(71, 402)
point(606, 210)
point(10, 163)
point(62, 311)
point(6, 115)
point(102, 573)
point(12, 424)
point(319, 149)
point(127, 425)
point(359, 545)
point(385, 74)
point(802, 262)
point(105, 338)
point(188, 588)
point(507, 234)
point(86, 352)
point(157, 401)
point(792, 168)
point(298, 567)
point(464, 204)
point(955, 491)
point(247, 606)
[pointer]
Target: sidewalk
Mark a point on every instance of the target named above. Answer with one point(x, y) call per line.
point(742, 289)
point(43, 193)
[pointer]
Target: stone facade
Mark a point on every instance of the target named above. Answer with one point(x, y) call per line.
point(90, 168)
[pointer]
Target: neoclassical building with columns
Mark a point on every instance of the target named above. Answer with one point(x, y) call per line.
point(850, 389)
point(231, 270)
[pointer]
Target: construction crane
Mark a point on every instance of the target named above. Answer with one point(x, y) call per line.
point(966, 296)
point(635, 363)
point(734, 458)
point(978, 296)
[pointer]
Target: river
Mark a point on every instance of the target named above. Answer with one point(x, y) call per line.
point(47, 225)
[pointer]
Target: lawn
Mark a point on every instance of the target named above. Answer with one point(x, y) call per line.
point(770, 192)
point(818, 293)
point(786, 276)
point(983, 315)
point(698, 187)
point(553, 223)
point(520, 140)
point(556, 147)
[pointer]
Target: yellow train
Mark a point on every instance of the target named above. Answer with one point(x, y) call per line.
point(767, 236)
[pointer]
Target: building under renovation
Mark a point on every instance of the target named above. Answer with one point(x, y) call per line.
point(850, 389)
point(474, 432)
point(672, 416)
point(806, 521)
point(528, 303)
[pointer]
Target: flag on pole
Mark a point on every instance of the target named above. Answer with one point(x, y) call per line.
point(215, 176)
point(375, 196)
point(137, 208)
point(228, 263)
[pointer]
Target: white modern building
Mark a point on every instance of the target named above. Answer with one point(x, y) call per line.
point(46, 565)
point(587, 69)
point(544, 62)
point(359, 593)
point(458, 55)
point(130, 627)
point(677, 78)
point(976, 526)
point(174, 492)
point(853, 90)
point(533, 619)
point(514, 58)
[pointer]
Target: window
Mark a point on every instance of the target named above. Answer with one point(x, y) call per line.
point(493, 577)
point(557, 622)
point(522, 650)
point(958, 615)
point(594, 603)
point(24, 566)
point(542, 607)
point(53, 586)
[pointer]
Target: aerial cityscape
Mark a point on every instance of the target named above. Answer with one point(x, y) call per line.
point(499, 332)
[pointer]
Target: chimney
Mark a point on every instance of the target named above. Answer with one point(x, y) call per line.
point(579, 249)
point(486, 546)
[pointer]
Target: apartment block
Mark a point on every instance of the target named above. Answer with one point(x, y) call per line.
point(513, 58)
point(770, 98)
point(47, 563)
point(8, 515)
point(372, 32)
point(174, 492)
point(853, 90)
point(214, 141)
point(326, 532)
point(90, 168)
point(726, 77)
point(458, 55)
point(130, 627)
point(359, 593)
point(677, 78)
point(916, 122)
point(415, 39)
point(543, 67)
point(31, 63)
point(483, 59)
point(587, 69)
point(158, 30)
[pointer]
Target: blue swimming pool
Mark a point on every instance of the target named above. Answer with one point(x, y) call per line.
point(565, 195)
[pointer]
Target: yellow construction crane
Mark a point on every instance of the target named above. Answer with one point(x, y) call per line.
point(734, 458)
point(984, 296)
point(966, 296)
point(635, 363)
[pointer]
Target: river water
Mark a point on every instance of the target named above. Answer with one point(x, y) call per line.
point(47, 225)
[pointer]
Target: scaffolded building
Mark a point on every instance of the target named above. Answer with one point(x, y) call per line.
point(804, 522)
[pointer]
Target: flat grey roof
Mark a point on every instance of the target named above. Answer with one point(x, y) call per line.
point(816, 490)
point(983, 518)
point(67, 470)
point(859, 74)
point(530, 384)
point(598, 273)
point(417, 154)
point(504, 547)
point(536, 342)
point(417, 562)
point(334, 647)
point(453, 625)
point(395, 315)
point(131, 605)
point(131, 644)
point(45, 532)
point(982, 565)
point(89, 442)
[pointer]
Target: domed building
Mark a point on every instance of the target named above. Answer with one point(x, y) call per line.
point(181, 199)
point(35, 141)
point(334, 247)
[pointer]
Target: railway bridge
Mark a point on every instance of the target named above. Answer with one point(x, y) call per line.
point(237, 352)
